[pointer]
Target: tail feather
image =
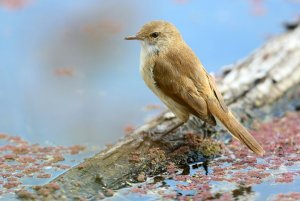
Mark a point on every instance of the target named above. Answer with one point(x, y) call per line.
point(236, 128)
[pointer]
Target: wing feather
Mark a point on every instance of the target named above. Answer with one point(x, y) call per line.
point(217, 93)
point(175, 82)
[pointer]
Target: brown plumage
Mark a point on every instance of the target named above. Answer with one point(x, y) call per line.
point(174, 73)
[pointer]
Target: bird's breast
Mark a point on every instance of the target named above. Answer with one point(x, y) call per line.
point(146, 70)
point(147, 65)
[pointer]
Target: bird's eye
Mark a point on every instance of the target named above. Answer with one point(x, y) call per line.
point(154, 34)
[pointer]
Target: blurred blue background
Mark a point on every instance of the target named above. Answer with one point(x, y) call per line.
point(67, 76)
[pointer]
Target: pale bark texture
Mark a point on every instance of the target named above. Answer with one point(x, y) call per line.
point(257, 83)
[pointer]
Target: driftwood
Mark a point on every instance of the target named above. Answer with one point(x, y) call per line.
point(250, 84)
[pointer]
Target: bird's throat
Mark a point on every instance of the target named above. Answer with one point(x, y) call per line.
point(149, 49)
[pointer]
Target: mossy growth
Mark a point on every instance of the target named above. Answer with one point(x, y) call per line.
point(207, 147)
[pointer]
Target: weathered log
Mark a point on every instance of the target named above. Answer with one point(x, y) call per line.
point(265, 75)
point(252, 83)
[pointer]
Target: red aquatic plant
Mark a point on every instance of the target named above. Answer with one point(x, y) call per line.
point(19, 159)
point(240, 167)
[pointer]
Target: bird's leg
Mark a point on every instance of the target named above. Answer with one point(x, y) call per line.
point(166, 132)
point(173, 128)
point(205, 133)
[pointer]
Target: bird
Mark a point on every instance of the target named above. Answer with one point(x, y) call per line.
point(174, 73)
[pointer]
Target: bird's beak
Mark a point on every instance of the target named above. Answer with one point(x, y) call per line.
point(133, 38)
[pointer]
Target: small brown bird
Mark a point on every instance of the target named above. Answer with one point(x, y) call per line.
point(174, 73)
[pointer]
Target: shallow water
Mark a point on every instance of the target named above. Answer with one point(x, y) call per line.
point(267, 190)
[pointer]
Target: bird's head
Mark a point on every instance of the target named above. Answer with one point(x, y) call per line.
point(160, 34)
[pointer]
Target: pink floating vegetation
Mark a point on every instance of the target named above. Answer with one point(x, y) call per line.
point(19, 159)
point(285, 178)
point(43, 175)
point(11, 184)
point(287, 197)
point(280, 138)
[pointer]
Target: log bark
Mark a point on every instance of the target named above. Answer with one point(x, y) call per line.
point(251, 84)
point(265, 75)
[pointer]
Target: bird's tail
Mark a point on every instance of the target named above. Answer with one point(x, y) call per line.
point(235, 128)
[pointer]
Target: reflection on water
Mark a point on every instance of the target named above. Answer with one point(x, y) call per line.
point(187, 187)
point(67, 76)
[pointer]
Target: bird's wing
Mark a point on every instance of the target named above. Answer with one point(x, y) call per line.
point(177, 83)
point(217, 93)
